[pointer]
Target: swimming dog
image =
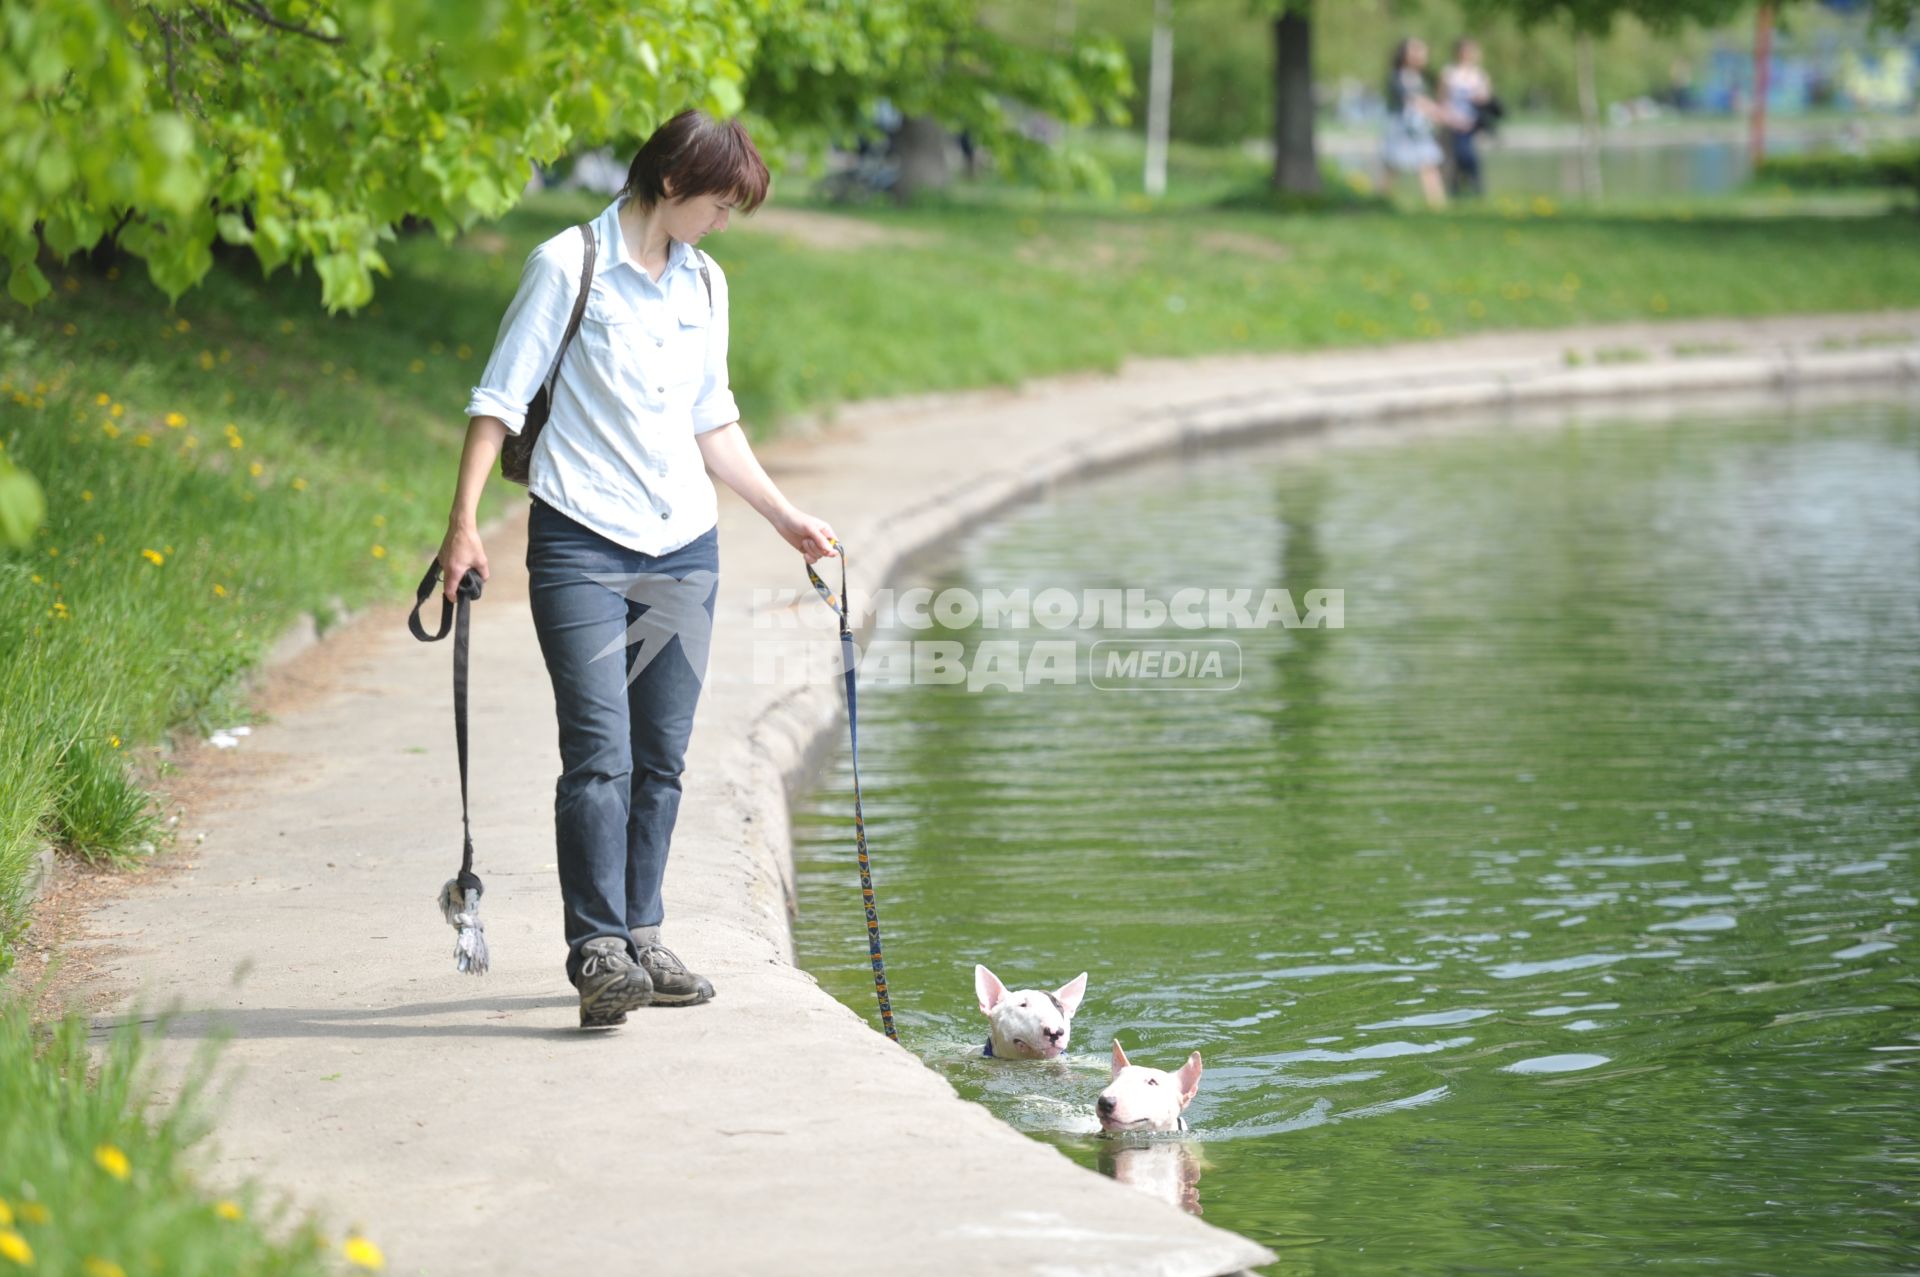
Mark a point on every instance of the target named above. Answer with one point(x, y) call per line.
point(1028, 1024)
point(1143, 1099)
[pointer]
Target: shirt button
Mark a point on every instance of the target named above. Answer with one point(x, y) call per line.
point(663, 514)
point(659, 341)
point(659, 390)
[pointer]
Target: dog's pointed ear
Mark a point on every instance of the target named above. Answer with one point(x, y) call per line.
point(1071, 992)
point(987, 988)
point(1119, 1059)
point(1189, 1078)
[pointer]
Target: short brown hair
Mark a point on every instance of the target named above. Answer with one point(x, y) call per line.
point(702, 156)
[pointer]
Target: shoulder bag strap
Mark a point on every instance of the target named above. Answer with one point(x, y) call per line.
point(579, 307)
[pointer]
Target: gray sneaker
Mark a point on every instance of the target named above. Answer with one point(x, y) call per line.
point(610, 984)
point(673, 984)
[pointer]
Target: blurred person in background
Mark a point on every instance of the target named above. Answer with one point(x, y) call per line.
point(1409, 145)
point(1466, 91)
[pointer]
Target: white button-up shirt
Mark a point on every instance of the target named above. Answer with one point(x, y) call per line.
point(646, 372)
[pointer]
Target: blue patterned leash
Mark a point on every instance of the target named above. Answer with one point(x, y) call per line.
point(839, 605)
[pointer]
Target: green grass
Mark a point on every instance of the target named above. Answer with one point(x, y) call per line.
point(215, 469)
point(95, 1182)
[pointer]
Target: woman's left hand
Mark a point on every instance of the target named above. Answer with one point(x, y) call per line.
point(811, 536)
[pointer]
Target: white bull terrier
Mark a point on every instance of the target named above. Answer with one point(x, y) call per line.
point(1142, 1099)
point(1027, 1024)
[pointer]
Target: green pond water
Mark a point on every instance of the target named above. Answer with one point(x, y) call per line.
point(1556, 912)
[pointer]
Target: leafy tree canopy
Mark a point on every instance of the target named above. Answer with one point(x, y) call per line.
point(307, 129)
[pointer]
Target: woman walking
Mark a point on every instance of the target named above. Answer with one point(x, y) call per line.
point(622, 539)
point(1412, 115)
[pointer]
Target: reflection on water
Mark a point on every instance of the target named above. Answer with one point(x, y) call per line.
point(1557, 912)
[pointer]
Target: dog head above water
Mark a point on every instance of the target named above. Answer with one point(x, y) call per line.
point(1028, 1024)
point(1142, 1099)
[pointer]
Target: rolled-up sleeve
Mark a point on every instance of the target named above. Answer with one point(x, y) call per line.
point(715, 406)
point(529, 336)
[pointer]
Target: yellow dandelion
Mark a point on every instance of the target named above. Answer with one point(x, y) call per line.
point(256, 469)
point(362, 1253)
point(206, 361)
point(153, 556)
point(1659, 303)
point(117, 410)
point(437, 348)
point(184, 326)
point(379, 551)
point(348, 374)
point(1571, 283)
point(175, 421)
point(299, 485)
point(143, 441)
point(226, 1208)
point(114, 741)
point(464, 352)
point(39, 387)
point(219, 590)
point(191, 441)
point(94, 1266)
point(247, 497)
point(379, 520)
point(226, 355)
point(70, 329)
point(103, 399)
point(13, 1246)
point(1544, 207)
point(53, 551)
point(110, 430)
point(1420, 301)
point(1477, 309)
point(286, 326)
point(417, 365)
point(35, 578)
point(86, 494)
point(327, 368)
point(99, 538)
point(112, 1161)
point(235, 441)
point(34, 1213)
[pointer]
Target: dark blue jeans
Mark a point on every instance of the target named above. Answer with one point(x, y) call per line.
point(625, 638)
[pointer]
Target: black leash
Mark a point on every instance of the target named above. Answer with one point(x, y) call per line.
point(840, 608)
point(460, 897)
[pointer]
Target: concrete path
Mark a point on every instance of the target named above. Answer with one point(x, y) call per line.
point(466, 1125)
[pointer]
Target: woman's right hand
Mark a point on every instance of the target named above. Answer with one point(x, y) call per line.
point(460, 551)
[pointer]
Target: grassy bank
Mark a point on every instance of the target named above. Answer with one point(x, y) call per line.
point(215, 469)
point(95, 1186)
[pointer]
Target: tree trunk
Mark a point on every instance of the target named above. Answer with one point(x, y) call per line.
point(1591, 184)
point(921, 149)
point(1159, 98)
point(1762, 71)
point(1296, 166)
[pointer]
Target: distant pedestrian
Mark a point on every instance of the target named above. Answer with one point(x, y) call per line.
point(1467, 92)
point(1412, 117)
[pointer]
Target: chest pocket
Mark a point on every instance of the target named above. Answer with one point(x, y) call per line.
point(655, 350)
